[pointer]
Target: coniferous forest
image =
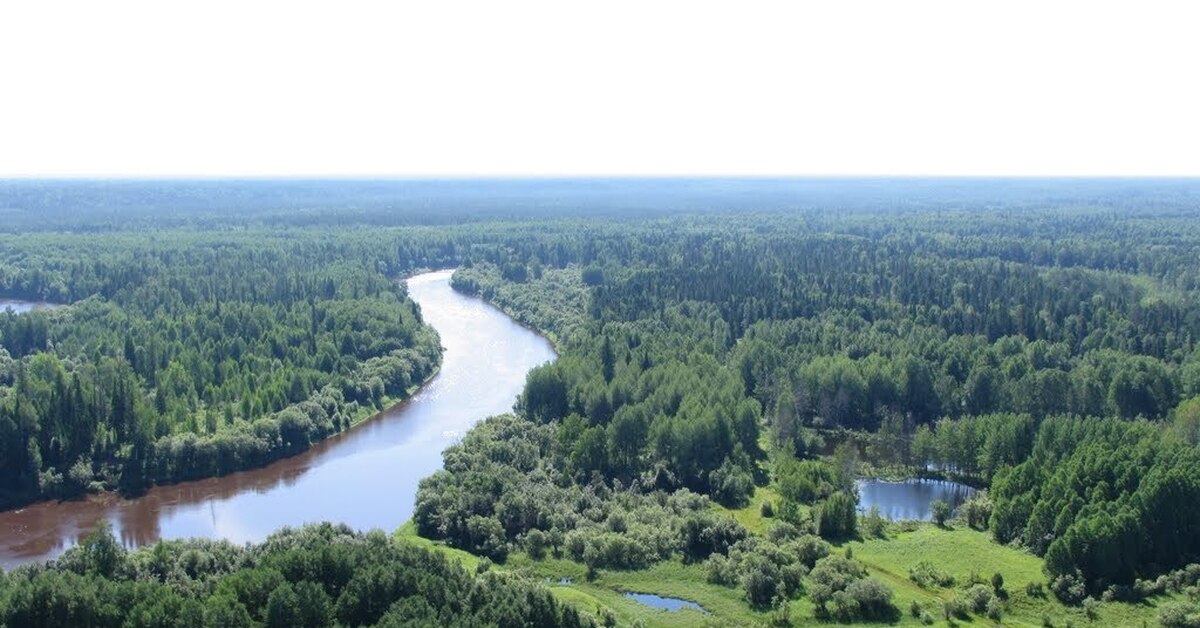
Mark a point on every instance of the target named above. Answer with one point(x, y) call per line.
point(735, 356)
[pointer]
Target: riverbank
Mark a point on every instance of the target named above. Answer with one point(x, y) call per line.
point(551, 304)
point(365, 476)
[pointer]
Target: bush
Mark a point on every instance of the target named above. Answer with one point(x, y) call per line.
point(941, 511)
point(767, 509)
point(831, 575)
point(1179, 615)
point(1069, 588)
point(535, 544)
point(927, 576)
point(1035, 589)
point(863, 599)
point(955, 607)
point(1091, 608)
point(761, 583)
point(721, 570)
point(731, 485)
point(837, 517)
point(977, 598)
point(994, 610)
point(874, 525)
point(977, 510)
point(782, 532)
point(487, 538)
point(809, 549)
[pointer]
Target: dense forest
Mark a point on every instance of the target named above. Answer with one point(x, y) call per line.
point(316, 576)
point(726, 373)
point(1048, 356)
point(183, 356)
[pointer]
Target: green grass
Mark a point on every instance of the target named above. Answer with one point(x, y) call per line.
point(669, 579)
point(956, 549)
point(408, 534)
point(750, 516)
point(961, 551)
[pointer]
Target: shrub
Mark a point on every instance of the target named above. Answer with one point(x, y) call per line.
point(809, 549)
point(874, 525)
point(767, 509)
point(1035, 589)
point(831, 575)
point(994, 610)
point(782, 532)
point(977, 510)
point(837, 516)
point(954, 607)
point(873, 600)
point(977, 598)
point(731, 485)
point(487, 538)
point(927, 576)
point(761, 583)
point(1179, 615)
point(535, 544)
point(941, 511)
point(1091, 608)
point(721, 570)
point(1069, 588)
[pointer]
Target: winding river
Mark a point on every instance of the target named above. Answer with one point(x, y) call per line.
point(366, 477)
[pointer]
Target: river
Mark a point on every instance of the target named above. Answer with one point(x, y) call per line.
point(366, 477)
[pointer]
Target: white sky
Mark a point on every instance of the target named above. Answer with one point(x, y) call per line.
point(609, 87)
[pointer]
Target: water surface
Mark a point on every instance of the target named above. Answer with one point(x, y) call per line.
point(664, 603)
point(910, 499)
point(366, 477)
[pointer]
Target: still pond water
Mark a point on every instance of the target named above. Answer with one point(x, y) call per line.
point(910, 499)
point(664, 603)
point(366, 477)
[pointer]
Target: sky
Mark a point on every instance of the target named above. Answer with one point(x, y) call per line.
point(652, 87)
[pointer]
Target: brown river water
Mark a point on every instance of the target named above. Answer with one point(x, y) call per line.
point(366, 477)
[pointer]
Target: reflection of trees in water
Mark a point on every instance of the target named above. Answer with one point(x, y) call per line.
point(48, 528)
point(206, 507)
point(911, 499)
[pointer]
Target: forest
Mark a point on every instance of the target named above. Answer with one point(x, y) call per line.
point(726, 375)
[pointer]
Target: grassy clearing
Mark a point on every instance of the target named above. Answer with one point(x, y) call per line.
point(669, 579)
point(750, 516)
point(962, 551)
point(957, 549)
point(408, 534)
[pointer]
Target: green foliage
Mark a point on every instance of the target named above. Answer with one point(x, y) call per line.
point(189, 355)
point(837, 516)
point(1108, 499)
point(982, 344)
point(311, 577)
point(840, 589)
point(928, 576)
point(941, 511)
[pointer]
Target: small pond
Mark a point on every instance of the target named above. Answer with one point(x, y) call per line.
point(909, 499)
point(664, 603)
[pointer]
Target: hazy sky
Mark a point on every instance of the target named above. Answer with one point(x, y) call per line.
point(608, 87)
